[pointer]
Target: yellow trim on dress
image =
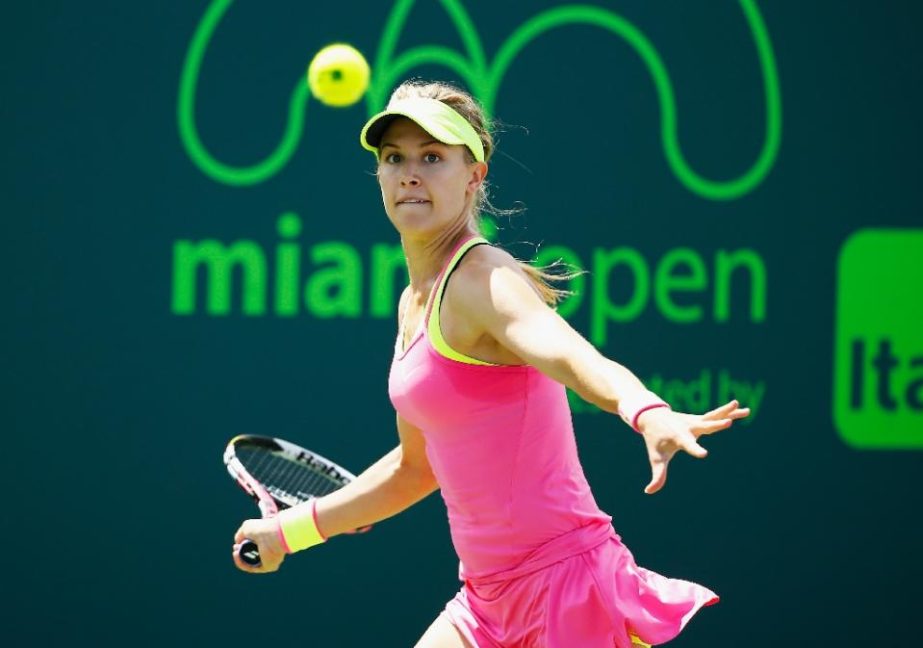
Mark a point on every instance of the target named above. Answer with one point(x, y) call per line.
point(636, 641)
point(433, 329)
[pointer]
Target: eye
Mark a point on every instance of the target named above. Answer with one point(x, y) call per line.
point(431, 157)
point(392, 158)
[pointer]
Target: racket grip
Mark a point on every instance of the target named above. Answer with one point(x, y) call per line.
point(249, 552)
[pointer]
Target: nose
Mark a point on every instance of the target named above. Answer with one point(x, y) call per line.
point(410, 180)
point(409, 177)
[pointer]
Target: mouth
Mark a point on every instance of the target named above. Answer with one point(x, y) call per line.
point(413, 201)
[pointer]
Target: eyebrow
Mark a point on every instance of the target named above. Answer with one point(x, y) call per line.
point(385, 145)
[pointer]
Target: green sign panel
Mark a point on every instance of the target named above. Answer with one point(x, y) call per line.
point(878, 372)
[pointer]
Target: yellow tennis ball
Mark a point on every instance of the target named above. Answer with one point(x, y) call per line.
point(338, 75)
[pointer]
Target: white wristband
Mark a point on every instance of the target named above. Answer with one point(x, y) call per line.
point(631, 407)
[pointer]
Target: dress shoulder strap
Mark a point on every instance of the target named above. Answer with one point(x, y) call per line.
point(433, 330)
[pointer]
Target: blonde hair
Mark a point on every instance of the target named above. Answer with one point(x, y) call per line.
point(464, 104)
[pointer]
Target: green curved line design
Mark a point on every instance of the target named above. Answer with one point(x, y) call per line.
point(386, 72)
point(596, 16)
point(468, 33)
point(200, 155)
point(425, 55)
point(484, 81)
point(392, 31)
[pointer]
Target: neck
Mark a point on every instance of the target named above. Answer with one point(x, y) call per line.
point(427, 257)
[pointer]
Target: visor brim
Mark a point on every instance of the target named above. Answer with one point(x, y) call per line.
point(437, 119)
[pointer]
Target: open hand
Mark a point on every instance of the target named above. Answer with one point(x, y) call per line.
point(665, 432)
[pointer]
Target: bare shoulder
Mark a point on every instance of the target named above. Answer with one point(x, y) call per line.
point(489, 275)
point(483, 262)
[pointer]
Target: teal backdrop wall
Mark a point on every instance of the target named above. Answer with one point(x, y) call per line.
point(766, 245)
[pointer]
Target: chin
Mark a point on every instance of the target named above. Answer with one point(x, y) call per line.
point(420, 226)
point(417, 232)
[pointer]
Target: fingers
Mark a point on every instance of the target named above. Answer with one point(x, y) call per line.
point(693, 448)
point(720, 418)
point(660, 461)
point(740, 413)
point(239, 563)
point(251, 529)
point(245, 531)
point(269, 563)
point(710, 427)
point(731, 409)
point(687, 440)
point(722, 411)
point(658, 475)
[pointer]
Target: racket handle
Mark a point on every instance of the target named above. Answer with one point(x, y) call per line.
point(249, 552)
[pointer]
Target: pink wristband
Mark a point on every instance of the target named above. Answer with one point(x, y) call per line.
point(630, 408)
point(285, 546)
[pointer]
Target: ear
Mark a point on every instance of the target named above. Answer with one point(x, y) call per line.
point(478, 173)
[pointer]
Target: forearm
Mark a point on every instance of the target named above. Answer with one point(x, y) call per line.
point(601, 381)
point(383, 490)
point(551, 345)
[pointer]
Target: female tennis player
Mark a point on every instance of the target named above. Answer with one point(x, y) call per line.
point(478, 379)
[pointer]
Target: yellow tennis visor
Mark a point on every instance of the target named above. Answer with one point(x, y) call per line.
point(436, 118)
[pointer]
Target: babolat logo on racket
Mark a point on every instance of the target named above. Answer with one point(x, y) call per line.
point(878, 357)
point(323, 467)
point(290, 499)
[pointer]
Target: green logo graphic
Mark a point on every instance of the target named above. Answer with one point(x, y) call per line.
point(878, 370)
point(296, 275)
point(329, 279)
point(483, 78)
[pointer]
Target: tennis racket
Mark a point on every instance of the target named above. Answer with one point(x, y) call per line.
point(278, 474)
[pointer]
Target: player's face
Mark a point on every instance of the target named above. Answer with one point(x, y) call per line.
point(426, 186)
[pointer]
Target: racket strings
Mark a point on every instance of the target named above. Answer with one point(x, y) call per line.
point(307, 482)
point(265, 467)
point(259, 467)
point(287, 473)
point(285, 478)
point(283, 475)
point(316, 483)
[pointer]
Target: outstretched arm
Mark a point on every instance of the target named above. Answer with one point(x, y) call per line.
point(493, 293)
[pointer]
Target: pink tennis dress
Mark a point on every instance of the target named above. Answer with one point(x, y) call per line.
point(542, 566)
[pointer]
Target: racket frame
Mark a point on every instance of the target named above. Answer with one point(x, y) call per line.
point(269, 503)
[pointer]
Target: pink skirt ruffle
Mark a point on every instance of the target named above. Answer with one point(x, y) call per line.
point(595, 599)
